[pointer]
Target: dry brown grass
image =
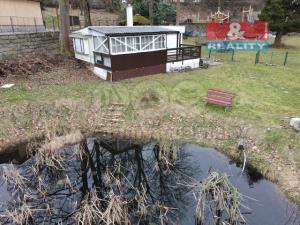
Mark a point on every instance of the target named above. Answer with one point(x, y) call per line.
point(90, 211)
point(57, 143)
point(17, 216)
point(221, 198)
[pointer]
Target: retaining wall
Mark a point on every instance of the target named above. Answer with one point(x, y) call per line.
point(13, 44)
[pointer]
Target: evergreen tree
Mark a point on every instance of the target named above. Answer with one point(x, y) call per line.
point(283, 17)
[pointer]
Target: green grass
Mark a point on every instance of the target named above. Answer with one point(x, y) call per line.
point(51, 22)
point(266, 97)
point(264, 94)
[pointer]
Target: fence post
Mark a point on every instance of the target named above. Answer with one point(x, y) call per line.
point(232, 55)
point(34, 20)
point(12, 24)
point(257, 57)
point(285, 58)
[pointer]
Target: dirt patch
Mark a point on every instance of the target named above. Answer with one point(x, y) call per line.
point(43, 69)
point(27, 64)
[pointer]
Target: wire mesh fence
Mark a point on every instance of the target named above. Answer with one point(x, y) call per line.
point(12, 24)
point(288, 59)
point(218, 56)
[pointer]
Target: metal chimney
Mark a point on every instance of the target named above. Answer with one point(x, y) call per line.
point(129, 15)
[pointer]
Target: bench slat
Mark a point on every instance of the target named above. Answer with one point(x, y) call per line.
point(224, 98)
point(218, 101)
point(214, 92)
point(221, 91)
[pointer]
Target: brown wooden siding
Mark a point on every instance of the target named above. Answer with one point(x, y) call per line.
point(138, 64)
point(136, 72)
point(138, 60)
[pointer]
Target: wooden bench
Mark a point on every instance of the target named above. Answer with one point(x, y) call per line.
point(219, 97)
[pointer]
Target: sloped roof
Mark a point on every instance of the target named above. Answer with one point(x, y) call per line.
point(123, 30)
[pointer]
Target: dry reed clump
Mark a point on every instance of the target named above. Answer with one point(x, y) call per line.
point(17, 216)
point(168, 153)
point(116, 211)
point(13, 177)
point(142, 204)
point(59, 142)
point(222, 198)
point(49, 154)
point(90, 211)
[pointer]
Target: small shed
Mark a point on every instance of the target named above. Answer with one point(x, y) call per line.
point(121, 52)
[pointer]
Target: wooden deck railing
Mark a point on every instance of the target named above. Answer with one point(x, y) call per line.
point(184, 52)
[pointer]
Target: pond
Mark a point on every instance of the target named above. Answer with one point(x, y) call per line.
point(120, 181)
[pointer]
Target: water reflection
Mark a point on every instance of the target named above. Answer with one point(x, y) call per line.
point(252, 175)
point(132, 182)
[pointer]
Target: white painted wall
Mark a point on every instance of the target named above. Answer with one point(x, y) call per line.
point(91, 48)
point(99, 72)
point(82, 57)
point(171, 40)
point(193, 63)
point(88, 51)
point(106, 61)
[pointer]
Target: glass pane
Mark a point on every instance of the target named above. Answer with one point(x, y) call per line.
point(78, 45)
point(113, 45)
point(147, 42)
point(157, 42)
point(137, 43)
point(96, 42)
point(163, 42)
point(130, 44)
point(122, 44)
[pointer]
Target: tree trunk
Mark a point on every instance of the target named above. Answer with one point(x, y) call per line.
point(177, 12)
point(64, 26)
point(109, 5)
point(277, 42)
point(151, 11)
point(85, 8)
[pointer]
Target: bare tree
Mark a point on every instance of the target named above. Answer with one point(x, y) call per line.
point(85, 9)
point(64, 26)
point(109, 5)
point(177, 12)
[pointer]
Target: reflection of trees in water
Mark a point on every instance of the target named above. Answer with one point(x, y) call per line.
point(98, 182)
point(251, 174)
point(102, 181)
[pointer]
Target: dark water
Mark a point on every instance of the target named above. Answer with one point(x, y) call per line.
point(169, 185)
point(270, 207)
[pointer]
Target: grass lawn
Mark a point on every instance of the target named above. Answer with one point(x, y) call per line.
point(170, 106)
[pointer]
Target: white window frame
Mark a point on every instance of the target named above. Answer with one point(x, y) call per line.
point(102, 44)
point(133, 46)
point(82, 50)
